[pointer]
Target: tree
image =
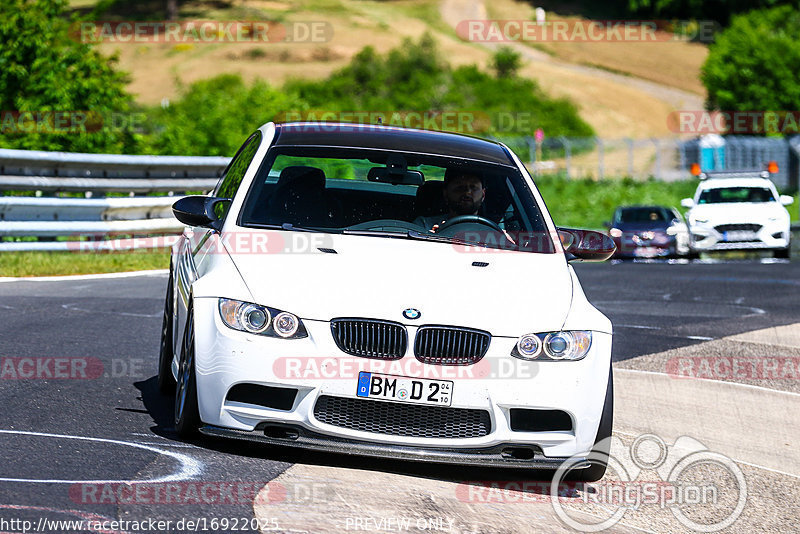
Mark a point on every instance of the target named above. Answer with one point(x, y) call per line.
point(752, 66)
point(44, 67)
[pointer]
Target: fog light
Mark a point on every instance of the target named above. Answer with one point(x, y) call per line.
point(285, 324)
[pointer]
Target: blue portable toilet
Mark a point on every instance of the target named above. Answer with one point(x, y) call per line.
point(712, 153)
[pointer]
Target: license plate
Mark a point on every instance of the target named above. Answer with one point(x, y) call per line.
point(738, 235)
point(646, 252)
point(404, 389)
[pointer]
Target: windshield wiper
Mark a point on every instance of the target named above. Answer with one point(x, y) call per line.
point(378, 233)
point(413, 234)
point(289, 227)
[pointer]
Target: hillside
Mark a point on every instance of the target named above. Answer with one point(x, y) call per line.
point(622, 89)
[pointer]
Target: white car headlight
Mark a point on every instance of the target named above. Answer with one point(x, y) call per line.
point(257, 319)
point(569, 345)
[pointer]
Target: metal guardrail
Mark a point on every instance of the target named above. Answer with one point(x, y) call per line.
point(64, 223)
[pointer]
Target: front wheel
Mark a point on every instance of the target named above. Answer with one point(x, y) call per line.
point(166, 382)
point(187, 414)
point(783, 253)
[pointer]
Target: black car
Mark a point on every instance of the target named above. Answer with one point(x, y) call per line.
point(648, 232)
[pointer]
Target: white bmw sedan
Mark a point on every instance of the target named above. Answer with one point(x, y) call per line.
point(386, 292)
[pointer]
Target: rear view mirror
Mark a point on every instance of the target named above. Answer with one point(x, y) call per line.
point(586, 245)
point(687, 203)
point(395, 176)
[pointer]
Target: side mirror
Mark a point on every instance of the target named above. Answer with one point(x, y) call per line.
point(586, 245)
point(787, 200)
point(687, 203)
point(198, 211)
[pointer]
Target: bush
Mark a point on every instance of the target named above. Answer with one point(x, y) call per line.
point(415, 78)
point(214, 117)
point(506, 62)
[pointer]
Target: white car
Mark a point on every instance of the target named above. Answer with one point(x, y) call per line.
point(738, 213)
point(308, 307)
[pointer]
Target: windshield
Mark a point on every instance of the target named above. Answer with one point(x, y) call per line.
point(736, 194)
point(643, 215)
point(391, 194)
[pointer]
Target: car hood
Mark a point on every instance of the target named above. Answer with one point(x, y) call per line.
point(378, 277)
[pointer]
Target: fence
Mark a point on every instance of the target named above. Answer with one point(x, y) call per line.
point(665, 159)
point(41, 222)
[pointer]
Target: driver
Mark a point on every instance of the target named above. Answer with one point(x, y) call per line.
point(463, 195)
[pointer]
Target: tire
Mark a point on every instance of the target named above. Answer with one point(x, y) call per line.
point(783, 253)
point(602, 447)
point(187, 414)
point(166, 382)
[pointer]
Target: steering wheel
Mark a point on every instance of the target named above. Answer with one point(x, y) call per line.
point(471, 219)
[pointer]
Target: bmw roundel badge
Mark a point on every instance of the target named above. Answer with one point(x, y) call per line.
point(412, 313)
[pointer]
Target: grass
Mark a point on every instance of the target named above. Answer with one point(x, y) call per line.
point(66, 263)
point(586, 203)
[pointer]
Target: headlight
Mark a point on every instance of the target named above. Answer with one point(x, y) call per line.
point(529, 346)
point(615, 232)
point(257, 319)
point(286, 324)
point(571, 345)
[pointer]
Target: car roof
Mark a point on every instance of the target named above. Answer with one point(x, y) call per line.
point(735, 182)
point(391, 138)
point(644, 206)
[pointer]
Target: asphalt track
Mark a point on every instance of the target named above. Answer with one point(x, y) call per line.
point(72, 435)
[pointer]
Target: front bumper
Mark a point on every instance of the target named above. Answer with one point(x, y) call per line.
point(299, 437)
point(225, 358)
point(629, 245)
point(708, 239)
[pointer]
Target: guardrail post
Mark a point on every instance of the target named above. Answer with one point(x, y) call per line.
point(600, 158)
point(567, 155)
point(629, 142)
